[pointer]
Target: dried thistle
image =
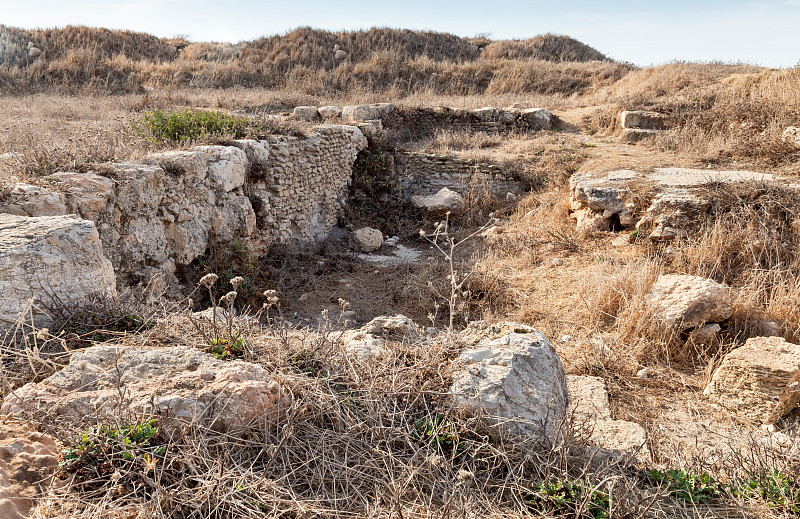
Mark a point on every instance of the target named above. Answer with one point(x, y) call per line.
point(235, 282)
point(208, 280)
point(228, 298)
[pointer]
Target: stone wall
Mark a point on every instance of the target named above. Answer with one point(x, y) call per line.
point(423, 122)
point(166, 210)
point(427, 173)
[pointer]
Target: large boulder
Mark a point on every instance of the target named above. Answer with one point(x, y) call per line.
point(591, 410)
point(513, 375)
point(360, 113)
point(180, 381)
point(50, 261)
point(538, 118)
point(366, 239)
point(439, 204)
point(28, 461)
point(686, 301)
point(759, 381)
point(227, 166)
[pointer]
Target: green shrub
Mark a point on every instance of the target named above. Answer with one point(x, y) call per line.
point(194, 125)
point(777, 489)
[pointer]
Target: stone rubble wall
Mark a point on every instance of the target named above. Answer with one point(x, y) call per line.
point(422, 122)
point(426, 173)
point(166, 210)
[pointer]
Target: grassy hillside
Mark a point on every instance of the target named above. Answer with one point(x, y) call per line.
point(375, 60)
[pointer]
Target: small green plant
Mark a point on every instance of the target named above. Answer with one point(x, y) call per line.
point(226, 348)
point(193, 125)
point(694, 488)
point(104, 449)
point(777, 489)
point(439, 433)
point(569, 497)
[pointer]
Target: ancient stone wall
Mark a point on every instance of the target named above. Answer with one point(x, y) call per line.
point(166, 210)
point(427, 173)
point(423, 122)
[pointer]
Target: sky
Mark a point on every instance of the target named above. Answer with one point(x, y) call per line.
point(638, 31)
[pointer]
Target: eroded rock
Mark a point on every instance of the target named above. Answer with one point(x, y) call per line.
point(685, 302)
point(28, 461)
point(759, 381)
point(50, 261)
point(306, 113)
point(514, 375)
point(179, 381)
point(590, 405)
point(437, 206)
point(366, 239)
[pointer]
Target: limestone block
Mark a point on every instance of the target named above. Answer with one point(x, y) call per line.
point(52, 260)
point(360, 113)
point(791, 135)
point(515, 376)
point(28, 200)
point(384, 325)
point(257, 153)
point(759, 381)
point(643, 120)
point(330, 112)
point(689, 301)
point(306, 113)
point(87, 194)
point(591, 409)
point(188, 164)
point(227, 166)
point(234, 218)
point(181, 381)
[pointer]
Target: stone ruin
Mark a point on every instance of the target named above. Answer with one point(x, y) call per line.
point(669, 201)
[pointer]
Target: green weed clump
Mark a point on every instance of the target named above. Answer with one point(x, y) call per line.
point(693, 488)
point(570, 498)
point(102, 453)
point(193, 125)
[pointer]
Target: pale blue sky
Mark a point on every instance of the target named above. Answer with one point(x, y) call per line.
point(643, 32)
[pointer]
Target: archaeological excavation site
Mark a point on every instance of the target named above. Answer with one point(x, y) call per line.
point(394, 274)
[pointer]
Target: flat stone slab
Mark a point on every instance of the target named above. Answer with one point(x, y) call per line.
point(603, 201)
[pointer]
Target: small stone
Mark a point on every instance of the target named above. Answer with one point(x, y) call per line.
point(366, 239)
point(557, 262)
point(643, 373)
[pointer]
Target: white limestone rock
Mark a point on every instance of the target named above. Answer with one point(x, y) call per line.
point(366, 239)
point(360, 113)
point(759, 381)
point(87, 194)
point(227, 166)
point(439, 204)
point(396, 325)
point(643, 120)
point(515, 377)
point(330, 112)
point(791, 135)
point(538, 118)
point(591, 410)
point(50, 260)
point(306, 113)
point(183, 382)
point(686, 301)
